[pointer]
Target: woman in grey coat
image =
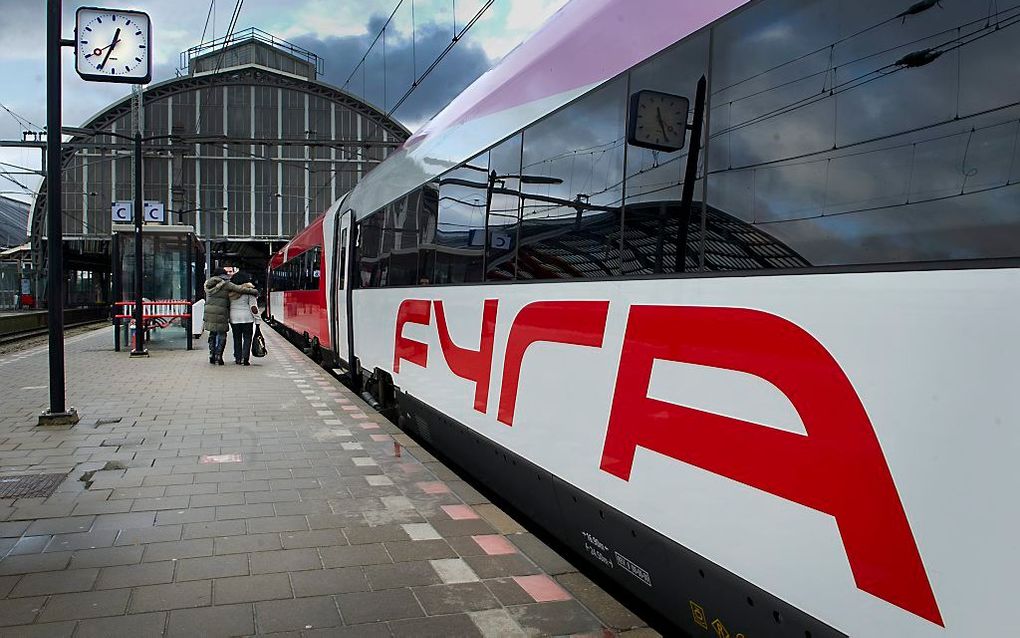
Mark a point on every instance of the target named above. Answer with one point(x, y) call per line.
point(217, 311)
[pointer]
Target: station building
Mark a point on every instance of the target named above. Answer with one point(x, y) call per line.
point(250, 145)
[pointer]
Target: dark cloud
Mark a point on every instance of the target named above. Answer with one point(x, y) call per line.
point(458, 69)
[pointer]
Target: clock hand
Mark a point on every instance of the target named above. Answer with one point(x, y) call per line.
point(116, 39)
point(662, 125)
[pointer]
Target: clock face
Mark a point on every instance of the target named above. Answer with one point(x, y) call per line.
point(658, 120)
point(113, 45)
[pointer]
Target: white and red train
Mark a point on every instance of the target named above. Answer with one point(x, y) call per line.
point(764, 377)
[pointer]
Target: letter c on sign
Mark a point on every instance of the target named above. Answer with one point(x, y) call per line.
point(838, 468)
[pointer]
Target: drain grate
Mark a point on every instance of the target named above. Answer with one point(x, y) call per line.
point(29, 485)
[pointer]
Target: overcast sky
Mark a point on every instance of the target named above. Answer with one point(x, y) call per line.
point(339, 31)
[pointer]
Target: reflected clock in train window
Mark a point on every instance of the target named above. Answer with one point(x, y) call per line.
point(113, 45)
point(658, 120)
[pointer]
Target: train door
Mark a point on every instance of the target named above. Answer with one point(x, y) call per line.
point(340, 315)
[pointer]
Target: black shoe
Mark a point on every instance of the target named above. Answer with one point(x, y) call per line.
point(237, 362)
point(212, 359)
point(219, 361)
point(245, 363)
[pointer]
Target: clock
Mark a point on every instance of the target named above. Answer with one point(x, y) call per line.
point(658, 120)
point(113, 45)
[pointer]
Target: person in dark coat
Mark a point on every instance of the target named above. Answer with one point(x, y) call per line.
point(217, 311)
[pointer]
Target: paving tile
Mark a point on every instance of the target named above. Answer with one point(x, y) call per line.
point(192, 515)
point(498, 566)
point(160, 503)
point(376, 534)
point(44, 630)
point(34, 563)
point(247, 543)
point(214, 567)
point(542, 588)
point(106, 556)
point(214, 528)
point(277, 524)
point(171, 596)
point(30, 545)
point(221, 621)
point(401, 575)
point(508, 592)
point(93, 604)
point(459, 625)
point(162, 534)
point(374, 554)
point(554, 618)
point(7, 583)
point(178, 550)
point(245, 589)
point(299, 614)
point(329, 581)
point(124, 521)
point(66, 525)
point(497, 622)
point(131, 625)
point(374, 630)
point(57, 582)
point(316, 538)
point(605, 607)
point(19, 611)
point(419, 550)
point(455, 598)
point(225, 512)
point(376, 606)
point(550, 562)
point(86, 540)
point(135, 575)
point(286, 560)
point(13, 529)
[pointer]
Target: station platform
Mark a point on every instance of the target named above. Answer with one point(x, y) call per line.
point(200, 500)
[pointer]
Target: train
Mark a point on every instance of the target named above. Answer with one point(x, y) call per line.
point(722, 296)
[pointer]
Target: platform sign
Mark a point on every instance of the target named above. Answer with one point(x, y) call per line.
point(123, 212)
point(155, 212)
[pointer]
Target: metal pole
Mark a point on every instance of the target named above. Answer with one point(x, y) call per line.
point(690, 176)
point(189, 286)
point(117, 288)
point(57, 414)
point(139, 345)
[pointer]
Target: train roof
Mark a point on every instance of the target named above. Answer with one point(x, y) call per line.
point(585, 44)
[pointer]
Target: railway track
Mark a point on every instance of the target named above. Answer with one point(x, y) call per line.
point(16, 336)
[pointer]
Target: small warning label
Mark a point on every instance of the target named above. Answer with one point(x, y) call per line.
point(636, 570)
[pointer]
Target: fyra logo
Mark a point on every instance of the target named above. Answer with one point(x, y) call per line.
point(838, 468)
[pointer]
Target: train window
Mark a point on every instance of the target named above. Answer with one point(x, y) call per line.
point(341, 272)
point(401, 225)
point(571, 189)
point(427, 210)
point(822, 153)
point(460, 226)
point(651, 218)
point(504, 210)
point(371, 264)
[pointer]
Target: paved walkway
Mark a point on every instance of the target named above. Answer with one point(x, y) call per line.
point(230, 501)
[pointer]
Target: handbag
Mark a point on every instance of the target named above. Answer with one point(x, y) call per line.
point(258, 343)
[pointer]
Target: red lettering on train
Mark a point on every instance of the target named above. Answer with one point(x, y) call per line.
point(411, 311)
point(473, 365)
point(838, 468)
point(579, 323)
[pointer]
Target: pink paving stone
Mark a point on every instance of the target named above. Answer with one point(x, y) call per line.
point(542, 588)
point(369, 426)
point(359, 416)
point(494, 544)
point(220, 458)
point(351, 408)
point(433, 487)
point(460, 512)
point(380, 437)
